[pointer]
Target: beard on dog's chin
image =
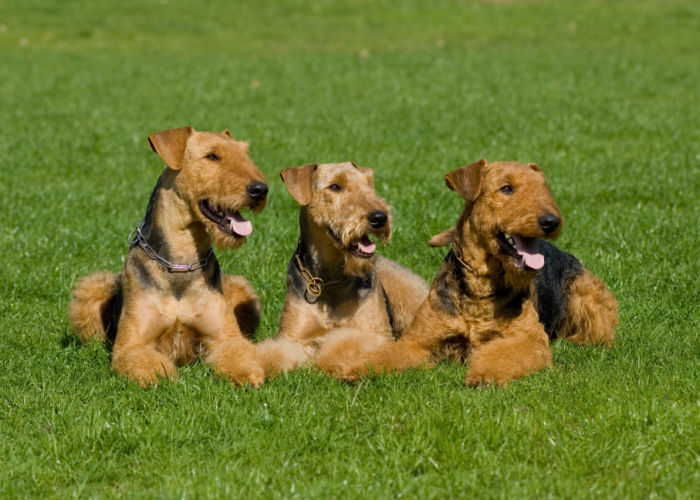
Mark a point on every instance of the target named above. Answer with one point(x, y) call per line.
point(360, 267)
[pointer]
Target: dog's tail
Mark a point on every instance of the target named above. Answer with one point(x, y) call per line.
point(92, 306)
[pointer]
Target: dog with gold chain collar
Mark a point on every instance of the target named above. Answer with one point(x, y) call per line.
point(337, 288)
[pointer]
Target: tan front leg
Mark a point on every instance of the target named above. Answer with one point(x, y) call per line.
point(280, 355)
point(224, 348)
point(413, 349)
point(295, 341)
point(352, 354)
point(522, 349)
point(135, 354)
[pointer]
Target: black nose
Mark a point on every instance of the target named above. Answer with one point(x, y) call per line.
point(257, 190)
point(549, 223)
point(377, 219)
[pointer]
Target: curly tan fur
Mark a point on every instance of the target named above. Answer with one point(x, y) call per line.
point(481, 306)
point(365, 298)
point(169, 318)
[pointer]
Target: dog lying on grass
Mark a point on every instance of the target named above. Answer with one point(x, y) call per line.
point(336, 287)
point(171, 303)
point(501, 291)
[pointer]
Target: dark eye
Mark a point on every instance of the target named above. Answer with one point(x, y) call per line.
point(213, 157)
point(334, 187)
point(507, 189)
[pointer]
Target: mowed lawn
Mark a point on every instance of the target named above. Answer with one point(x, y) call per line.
point(603, 95)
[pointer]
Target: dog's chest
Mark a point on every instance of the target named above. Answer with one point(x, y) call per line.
point(343, 313)
point(485, 319)
point(321, 317)
point(180, 285)
point(179, 343)
point(151, 277)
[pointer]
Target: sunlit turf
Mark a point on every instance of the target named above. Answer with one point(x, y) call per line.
point(602, 95)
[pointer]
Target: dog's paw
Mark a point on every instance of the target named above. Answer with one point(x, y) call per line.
point(477, 379)
point(256, 379)
point(243, 375)
point(253, 377)
point(339, 368)
point(348, 374)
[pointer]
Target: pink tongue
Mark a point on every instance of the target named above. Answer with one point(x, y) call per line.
point(239, 225)
point(366, 246)
point(531, 259)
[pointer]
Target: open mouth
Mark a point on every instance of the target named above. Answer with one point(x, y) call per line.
point(362, 247)
point(229, 221)
point(522, 250)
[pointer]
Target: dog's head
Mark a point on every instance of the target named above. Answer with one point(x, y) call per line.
point(340, 211)
point(508, 207)
point(216, 178)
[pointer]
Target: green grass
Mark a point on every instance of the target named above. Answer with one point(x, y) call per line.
point(602, 95)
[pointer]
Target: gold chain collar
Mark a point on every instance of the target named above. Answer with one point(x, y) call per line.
point(314, 284)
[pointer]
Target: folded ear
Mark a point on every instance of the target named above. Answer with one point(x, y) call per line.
point(466, 180)
point(299, 182)
point(444, 238)
point(367, 172)
point(369, 175)
point(227, 132)
point(170, 145)
point(534, 167)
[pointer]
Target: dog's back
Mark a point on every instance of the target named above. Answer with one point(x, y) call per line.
point(571, 302)
point(405, 292)
point(553, 284)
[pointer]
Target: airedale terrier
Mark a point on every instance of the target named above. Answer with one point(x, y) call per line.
point(336, 286)
point(171, 303)
point(501, 291)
